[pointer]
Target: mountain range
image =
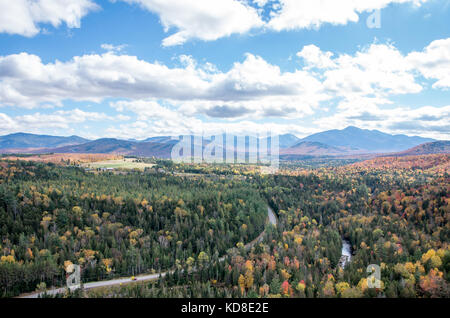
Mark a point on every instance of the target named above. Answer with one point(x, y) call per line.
point(345, 142)
point(116, 146)
point(31, 141)
point(366, 140)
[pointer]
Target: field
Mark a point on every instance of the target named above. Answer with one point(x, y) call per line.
point(125, 163)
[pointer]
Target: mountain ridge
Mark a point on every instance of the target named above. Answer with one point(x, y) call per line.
point(367, 140)
point(348, 141)
point(430, 148)
point(27, 140)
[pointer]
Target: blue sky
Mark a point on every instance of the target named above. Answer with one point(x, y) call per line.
point(140, 68)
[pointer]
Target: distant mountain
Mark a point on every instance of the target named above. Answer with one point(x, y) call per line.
point(162, 139)
point(155, 146)
point(356, 139)
point(308, 148)
point(349, 141)
point(288, 140)
point(23, 140)
point(285, 141)
point(437, 147)
point(116, 146)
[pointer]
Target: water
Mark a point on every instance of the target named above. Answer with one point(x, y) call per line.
point(272, 217)
point(346, 254)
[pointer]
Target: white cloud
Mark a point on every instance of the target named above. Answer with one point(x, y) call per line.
point(378, 70)
point(205, 20)
point(160, 98)
point(146, 109)
point(368, 77)
point(185, 125)
point(210, 20)
point(362, 85)
point(314, 57)
point(113, 48)
point(434, 62)
point(253, 83)
point(155, 118)
point(7, 124)
point(62, 119)
point(301, 14)
point(24, 16)
point(27, 82)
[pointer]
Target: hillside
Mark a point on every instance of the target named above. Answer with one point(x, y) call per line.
point(116, 146)
point(436, 162)
point(437, 147)
point(308, 148)
point(23, 140)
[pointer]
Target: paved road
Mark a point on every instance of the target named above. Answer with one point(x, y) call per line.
point(272, 219)
point(104, 283)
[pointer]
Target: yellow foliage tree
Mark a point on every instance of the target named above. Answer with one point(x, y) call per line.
point(241, 282)
point(342, 287)
point(248, 279)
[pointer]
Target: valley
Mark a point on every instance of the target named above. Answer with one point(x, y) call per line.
point(211, 234)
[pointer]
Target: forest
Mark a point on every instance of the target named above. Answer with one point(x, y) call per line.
point(394, 213)
point(114, 225)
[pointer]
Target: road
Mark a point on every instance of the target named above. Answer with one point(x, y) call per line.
point(104, 283)
point(271, 217)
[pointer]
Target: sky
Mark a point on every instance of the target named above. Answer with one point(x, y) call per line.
point(134, 69)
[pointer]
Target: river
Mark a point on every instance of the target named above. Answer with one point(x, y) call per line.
point(346, 254)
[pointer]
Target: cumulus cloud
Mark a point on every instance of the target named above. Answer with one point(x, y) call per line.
point(141, 129)
point(364, 83)
point(251, 86)
point(202, 19)
point(205, 20)
point(252, 89)
point(61, 119)
point(434, 62)
point(24, 17)
point(378, 70)
point(279, 107)
point(7, 124)
point(315, 58)
point(368, 77)
point(210, 20)
point(156, 118)
point(26, 81)
point(146, 109)
point(301, 14)
point(253, 83)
